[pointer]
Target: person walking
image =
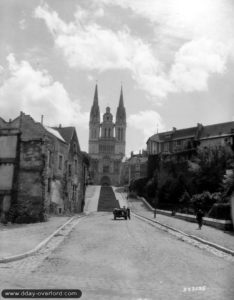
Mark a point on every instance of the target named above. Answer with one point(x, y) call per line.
point(128, 213)
point(199, 218)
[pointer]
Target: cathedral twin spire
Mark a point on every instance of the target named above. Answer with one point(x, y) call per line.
point(121, 113)
point(95, 111)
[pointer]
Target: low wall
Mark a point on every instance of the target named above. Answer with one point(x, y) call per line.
point(219, 224)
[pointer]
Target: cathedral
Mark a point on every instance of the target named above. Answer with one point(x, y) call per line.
point(107, 142)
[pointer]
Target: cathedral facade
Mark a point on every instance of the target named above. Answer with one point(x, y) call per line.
point(107, 141)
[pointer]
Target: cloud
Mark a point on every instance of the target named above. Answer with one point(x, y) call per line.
point(90, 77)
point(196, 61)
point(35, 92)
point(92, 47)
point(86, 45)
point(182, 18)
point(22, 24)
point(147, 122)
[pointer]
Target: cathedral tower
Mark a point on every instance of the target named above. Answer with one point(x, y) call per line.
point(106, 143)
point(94, 124)
point(120, 125)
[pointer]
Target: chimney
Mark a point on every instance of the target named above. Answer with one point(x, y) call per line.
point(60, 125)
point(42, 118)
point(173, 129)
point(199, 125)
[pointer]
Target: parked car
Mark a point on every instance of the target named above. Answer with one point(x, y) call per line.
point(120, 213)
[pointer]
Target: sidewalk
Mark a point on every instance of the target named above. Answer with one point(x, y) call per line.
point(210, 234)
point(91, 198)
point(17, 239)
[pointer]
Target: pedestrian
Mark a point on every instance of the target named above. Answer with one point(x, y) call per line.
point(155, 213)
point(128, 213)
point(199, 218)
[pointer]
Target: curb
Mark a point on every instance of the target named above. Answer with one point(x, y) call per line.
point(218, 247)
point(37, 248)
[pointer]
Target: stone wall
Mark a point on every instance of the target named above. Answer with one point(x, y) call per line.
point(8, 157)
point(31, 200)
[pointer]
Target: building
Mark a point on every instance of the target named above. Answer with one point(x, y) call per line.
point(183, 142)
point(34, 169)
point(107, 141)
point(134, 167)
point(77, 165)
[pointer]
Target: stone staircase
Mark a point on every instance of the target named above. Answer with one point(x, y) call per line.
point(107, 200)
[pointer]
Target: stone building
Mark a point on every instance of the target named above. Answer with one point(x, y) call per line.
point(183, 142)
point(77, 165)
point(134, 167)
point(107, 142)
point(33, 171)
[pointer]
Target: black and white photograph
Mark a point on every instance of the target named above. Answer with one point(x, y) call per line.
point(117, 149)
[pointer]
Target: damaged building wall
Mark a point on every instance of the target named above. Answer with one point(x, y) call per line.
point(57, 179)
point(31, 200)
point(8, 161)
point(42, 164)
point(40, 170)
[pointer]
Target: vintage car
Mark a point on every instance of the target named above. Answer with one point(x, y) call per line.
point(120, 213)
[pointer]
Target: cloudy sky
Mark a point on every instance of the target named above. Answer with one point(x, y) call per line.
point(175, 59)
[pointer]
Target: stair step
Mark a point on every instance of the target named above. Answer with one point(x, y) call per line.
point(107, 200)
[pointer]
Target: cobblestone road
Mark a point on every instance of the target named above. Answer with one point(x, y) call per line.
point(121, 259)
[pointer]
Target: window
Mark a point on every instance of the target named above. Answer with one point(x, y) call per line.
point(75, 148)
point(74, 192)
point(154, 148)
point(116, 166)
point(49, 185)
point(60, 166)
point(166, 147)
point(49, 158)
point(137, 167)
point(178, 143)
point(105, 169)
point(76, 167)
point(69, 170)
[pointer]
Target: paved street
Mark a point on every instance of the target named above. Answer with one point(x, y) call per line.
point(121, 259)
point(12, 236)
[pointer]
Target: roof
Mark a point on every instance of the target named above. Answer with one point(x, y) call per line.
point(65, 132)
point(208, 131)
point(55, 133)
point(217, 130)
point(174, 134)
point(185, 133)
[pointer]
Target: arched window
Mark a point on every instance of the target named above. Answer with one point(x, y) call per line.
point(105, 132)
point(109, 132)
